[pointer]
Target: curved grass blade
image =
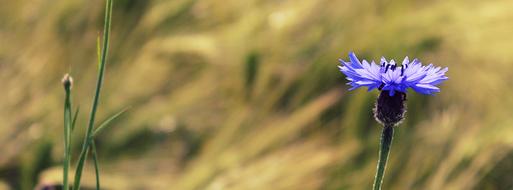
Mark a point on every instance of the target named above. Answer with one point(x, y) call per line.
point(108, 120)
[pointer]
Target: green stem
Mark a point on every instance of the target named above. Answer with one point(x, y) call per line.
point(67, 137)
point(89, 132)
point(96, 165)
point(385, 144)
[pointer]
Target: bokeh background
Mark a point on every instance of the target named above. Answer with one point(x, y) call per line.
point(247, 95)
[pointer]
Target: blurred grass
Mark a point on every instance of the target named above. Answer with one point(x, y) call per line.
point(246, 94)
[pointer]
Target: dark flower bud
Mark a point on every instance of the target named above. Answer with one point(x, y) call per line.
point(67, 81)
point(390, 110)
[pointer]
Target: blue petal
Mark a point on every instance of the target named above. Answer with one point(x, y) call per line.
point(366, 74)
point(425, 89)
point(355, 60)
point(405, 61)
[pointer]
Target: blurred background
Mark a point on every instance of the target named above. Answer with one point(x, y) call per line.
point(247, 94)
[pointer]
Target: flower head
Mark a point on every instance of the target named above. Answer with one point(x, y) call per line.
point(67, 81)
point(388, 76)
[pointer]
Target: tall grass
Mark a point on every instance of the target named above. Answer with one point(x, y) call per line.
point(88, 139)
point(88, 144)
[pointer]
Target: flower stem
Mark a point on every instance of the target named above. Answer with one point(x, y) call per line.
point(67, 136)
point(385, 144)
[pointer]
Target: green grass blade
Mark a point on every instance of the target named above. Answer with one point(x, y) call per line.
point(99, 50)
point(75, 119)
point(80, 165)
point(96, 164)
point(103, 60)
point(108, 120)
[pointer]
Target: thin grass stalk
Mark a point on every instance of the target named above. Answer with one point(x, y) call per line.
point(74, 119)
point(68, 123)
point(88, 137)
point(384, 150)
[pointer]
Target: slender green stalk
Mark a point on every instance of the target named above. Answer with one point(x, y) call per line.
point(96, 165)
point(88, 137)
point(68, 123)
point(385, 144)
point(74, 119)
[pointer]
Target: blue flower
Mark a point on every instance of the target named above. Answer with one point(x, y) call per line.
point(388, 76)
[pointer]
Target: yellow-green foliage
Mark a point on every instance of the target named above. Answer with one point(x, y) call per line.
point(245, 94)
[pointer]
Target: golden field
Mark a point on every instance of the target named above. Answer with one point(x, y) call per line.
point(246, 95)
